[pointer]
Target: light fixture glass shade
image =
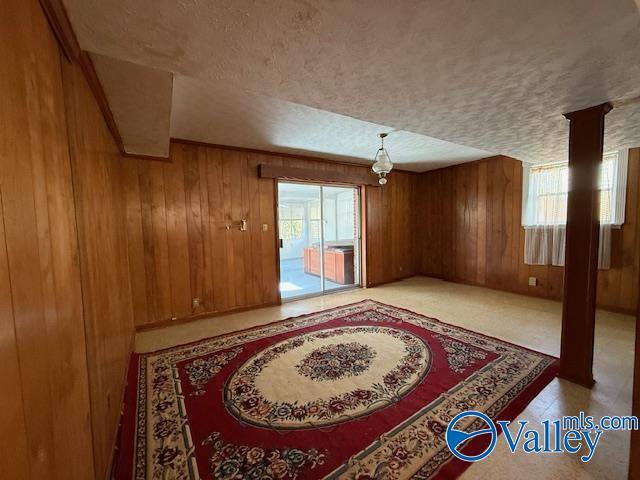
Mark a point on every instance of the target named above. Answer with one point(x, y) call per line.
point(382, 162)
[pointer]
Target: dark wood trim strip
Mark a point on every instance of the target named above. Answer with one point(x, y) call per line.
point(61, 26)
point(59, 21)
point(281, 154)
point(150, 158)
point(315, 175)
point(86, 64)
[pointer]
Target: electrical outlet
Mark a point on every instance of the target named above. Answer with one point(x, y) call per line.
point(265, 227)
point(533, 281)
point(195, 303)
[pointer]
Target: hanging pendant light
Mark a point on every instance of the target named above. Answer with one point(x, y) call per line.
point(382, 164)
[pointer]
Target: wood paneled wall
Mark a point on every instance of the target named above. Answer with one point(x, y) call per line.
point(471, 232)
point(46, 429)
point(66, 321)
point(179, 247)
point(98, 179)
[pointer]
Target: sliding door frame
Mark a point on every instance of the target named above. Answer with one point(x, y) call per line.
point(359, 250)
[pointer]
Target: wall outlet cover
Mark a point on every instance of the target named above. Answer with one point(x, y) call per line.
point(533, 281)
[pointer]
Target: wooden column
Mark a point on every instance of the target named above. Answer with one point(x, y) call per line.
point(586, 132)
point(634, 464)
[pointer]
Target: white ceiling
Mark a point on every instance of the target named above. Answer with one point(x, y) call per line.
point(228, 116)
point(494, 76)
point(140, 100)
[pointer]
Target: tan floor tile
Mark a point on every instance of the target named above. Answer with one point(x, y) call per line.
point(527, 321)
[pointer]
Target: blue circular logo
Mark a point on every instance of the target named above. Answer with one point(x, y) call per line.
point(457, 438)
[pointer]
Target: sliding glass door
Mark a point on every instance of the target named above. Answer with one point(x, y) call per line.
point(340, 233)
point(319, 227)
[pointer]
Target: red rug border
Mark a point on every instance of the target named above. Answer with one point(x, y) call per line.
point(455, 466)
point(124, 469)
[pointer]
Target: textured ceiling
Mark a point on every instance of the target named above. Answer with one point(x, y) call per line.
point(140, 100)
point(495, 75)
point(231, 117)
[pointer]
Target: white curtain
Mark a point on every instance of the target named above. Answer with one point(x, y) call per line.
point(544, 209)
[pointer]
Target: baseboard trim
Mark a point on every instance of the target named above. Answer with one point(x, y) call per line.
point(199, 316)
point(123, 390)
point(386, 282)
point(607, 308)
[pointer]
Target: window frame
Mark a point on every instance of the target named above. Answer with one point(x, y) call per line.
point(617, 198)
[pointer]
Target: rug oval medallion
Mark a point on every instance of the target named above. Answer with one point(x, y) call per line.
point(327, 377)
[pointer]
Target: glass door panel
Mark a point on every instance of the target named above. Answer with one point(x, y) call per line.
point(300, 237)
point(341, 237)
point(319, 229)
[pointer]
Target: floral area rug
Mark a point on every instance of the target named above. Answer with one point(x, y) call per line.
point(360, 391)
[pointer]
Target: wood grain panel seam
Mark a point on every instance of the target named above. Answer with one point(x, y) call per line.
point(15, 332)
point(71, 152)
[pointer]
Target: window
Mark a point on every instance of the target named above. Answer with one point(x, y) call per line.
point(314, 223)
point(544, 208)
point(291, 222)
point(546, 186)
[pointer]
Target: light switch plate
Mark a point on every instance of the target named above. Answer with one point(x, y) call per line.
point(533, 281)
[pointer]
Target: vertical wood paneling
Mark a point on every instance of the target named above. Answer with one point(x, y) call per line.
point(101, 211)
point(473, 233)
point(135, 244)
point(159, 240)
point(142, 182)
point(206, 292)
point(253, 200)
point(14, 463)
point(184, 232)
point(43, 336)
point(218, 235)
point(481, 235)
point(65, 302)
point(268, 242)
point(466, 220)
point(181, 248)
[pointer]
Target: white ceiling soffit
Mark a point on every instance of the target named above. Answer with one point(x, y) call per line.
point(495, 75)
point(140, 100)
point(227, 116)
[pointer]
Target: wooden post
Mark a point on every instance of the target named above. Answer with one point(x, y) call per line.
point(586, 132)
point(634, 463)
